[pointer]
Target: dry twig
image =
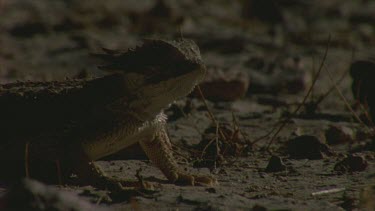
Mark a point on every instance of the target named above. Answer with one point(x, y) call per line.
point(342, 97)
point(330, 191)
point(285, 122)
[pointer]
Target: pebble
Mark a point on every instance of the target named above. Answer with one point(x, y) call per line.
point(307, 147)
point(275, 165)
point(351, 163)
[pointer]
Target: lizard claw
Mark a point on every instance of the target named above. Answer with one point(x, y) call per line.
point(205, 181)
point(195, 180)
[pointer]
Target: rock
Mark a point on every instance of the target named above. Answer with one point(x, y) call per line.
point(307, 147)
point(338, 135)
point(275, 164)
point(223, 86)
point(351, 163)
point(34, 196)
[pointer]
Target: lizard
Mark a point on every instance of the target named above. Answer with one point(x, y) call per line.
point(77, 121)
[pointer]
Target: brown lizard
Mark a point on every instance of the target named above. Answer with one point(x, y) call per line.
point(76, 122)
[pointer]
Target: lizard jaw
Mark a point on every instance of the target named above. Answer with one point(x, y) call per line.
point(153, 99)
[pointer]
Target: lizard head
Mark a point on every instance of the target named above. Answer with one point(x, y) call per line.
point(156, 73)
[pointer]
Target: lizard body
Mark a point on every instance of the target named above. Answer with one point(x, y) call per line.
point(78, 121)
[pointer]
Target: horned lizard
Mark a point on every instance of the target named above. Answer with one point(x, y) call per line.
point(75, 122)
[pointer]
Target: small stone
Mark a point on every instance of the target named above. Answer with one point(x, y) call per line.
point(338, 135)
point(307, 147)
point(351, 163)
point(275, 164)
point(224, 86)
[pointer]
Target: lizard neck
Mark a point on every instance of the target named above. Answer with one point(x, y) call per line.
point(127, 131)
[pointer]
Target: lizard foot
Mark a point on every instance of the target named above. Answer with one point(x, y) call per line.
point(100, 180)
point(195, 180)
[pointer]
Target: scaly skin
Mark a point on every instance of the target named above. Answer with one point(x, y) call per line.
point(163, 158)
point(76, 122)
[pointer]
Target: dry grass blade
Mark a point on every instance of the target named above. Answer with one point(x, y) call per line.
point(226, 139)
point(236, 127)
point(100, 199)
point(342, 97)
point(244, 135)
point(185, 116)
point(264, 136)
point(207, 145)
point(214, 121)
point(339, 81)
point(367, 115)
point(212, 117)
point(322, 97)
point(217, 145)
point(285, 122)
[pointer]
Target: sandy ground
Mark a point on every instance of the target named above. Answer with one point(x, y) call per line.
point(277, 47)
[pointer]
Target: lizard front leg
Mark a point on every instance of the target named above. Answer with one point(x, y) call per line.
point(159, 151)
point(90, 174)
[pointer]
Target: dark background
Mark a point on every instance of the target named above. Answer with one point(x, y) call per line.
point(261, 56)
